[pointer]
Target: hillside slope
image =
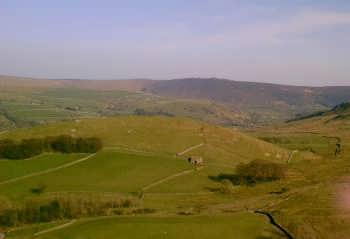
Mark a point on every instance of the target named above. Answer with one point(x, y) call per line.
point(267, 101)
point(165, 135)
point(327, 135)
point(25, 102)
point(133, 85)
point(232, 102)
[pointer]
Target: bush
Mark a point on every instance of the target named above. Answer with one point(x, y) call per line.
point(64, 144)
point(38, 189)
point(226, 187)
point(63, 207)
point(260, 170)
point(88, 145)
point(32, 147)
point(9, 218)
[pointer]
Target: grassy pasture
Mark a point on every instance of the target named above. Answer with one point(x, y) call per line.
point(140, 151)
point(318, 144)
point(311, 208)
point(17, 168)
point(242, 225)
point(44, 105)
point(106, 172)
point(163, 135)
point(196, 182)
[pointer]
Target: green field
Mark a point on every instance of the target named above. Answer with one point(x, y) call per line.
point(145, 158)
point(35, 106)
point(242, 225)
point(10, 169)
point(105, 172)
point(162, 135)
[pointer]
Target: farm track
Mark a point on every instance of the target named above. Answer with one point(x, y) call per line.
point(179, 194)
point(171, 177)
point(50, 170)
point(190, 149)
point(119, 148)
point(55, 228)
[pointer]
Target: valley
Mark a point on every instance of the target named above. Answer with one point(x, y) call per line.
point(142, 177)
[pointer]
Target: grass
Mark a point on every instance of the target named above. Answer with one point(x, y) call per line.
point(195, 182)
point(311, 209)
point(242, 225)
point(163, 135)
point(44, 105)
point(141, 150)
point(17, 168)
point(106, 172)
point(29, 230)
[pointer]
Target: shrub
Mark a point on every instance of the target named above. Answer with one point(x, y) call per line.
point(32, 147)
point(226, 187)
point(9, 217)
point(63, 207)
point(88, 145)
point(143, 211)
point(64, 144)
point(39, 189)
point(260, 170)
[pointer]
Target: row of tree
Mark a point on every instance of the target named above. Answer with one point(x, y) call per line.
point(251, 173)
point(260, 171)
point(27, 148)
point(61, 208)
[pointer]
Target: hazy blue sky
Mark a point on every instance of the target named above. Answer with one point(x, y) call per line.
point(280, 41)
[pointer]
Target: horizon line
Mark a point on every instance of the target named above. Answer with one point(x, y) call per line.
point(169, 79)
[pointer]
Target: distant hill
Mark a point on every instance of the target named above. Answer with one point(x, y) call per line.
point(283, 100)
point(255, 102)
point(26, 102)
point(325, 133)
point(132, 85)
point(341, 111)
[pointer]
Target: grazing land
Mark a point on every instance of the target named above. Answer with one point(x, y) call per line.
point(143, 177)
point(11, 169)
point(246, 226)
point(27, 102)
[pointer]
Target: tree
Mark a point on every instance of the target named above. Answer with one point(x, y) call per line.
point(260, 170)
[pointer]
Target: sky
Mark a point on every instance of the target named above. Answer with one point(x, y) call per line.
point(297, 42)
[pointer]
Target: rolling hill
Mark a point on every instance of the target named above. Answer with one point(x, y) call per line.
point(265, 101)
point(26, 102)
point(133, 85)
point(143, 155)
point(327, 135)
point(145, 159)
point(218, 101)
point(166, 135)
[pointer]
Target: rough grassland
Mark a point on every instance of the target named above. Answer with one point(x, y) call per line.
point(141, 151)
point(242, 225)
point(164, 135)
